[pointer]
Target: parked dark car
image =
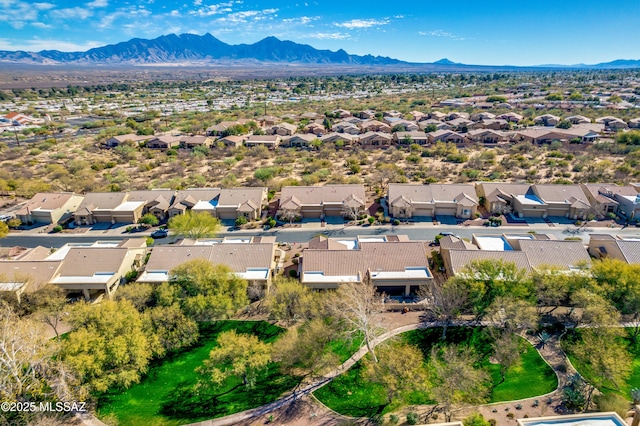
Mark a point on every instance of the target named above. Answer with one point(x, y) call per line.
point(160, 233)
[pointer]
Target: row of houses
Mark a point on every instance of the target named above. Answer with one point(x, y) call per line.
point(405, 201)
point(411, 201)
point(393, 263)
point(128, 207)
point(585, 133)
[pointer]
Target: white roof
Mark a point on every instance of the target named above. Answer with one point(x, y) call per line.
point(128, 206)
point(153, 277)
point(351, 244)
point(320, 277)
point(203, 205)
point(418, 272)
point(493, 243)
point(254, 274)
point(529, 200)
point(98, 278)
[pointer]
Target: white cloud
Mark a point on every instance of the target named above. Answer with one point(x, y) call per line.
point(362, 23)
point(303, 20)
point(329, 36)
point(244, 16)
point(98, 3)
point(174, 13)
point(41, 25)
point(440, 33)
point(36, 45)
point(44, 6)
point(72, 13)
point(210, 10)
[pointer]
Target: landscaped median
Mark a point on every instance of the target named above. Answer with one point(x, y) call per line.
point(353, 395)
point(167, 396)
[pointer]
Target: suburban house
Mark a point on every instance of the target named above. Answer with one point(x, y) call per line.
point(191, 142)
point(99, 268)
point(527, 251)
point(548, 120)
point(321, 201)
point(110, 207)
point(372, 140)
point(408, 138)
point(615, 247)
point(374, 126)
point(446, 136)
point(511, 117)
point(485, 136)
point(156, 201)
point(314, 128)
point(395, 265)
point(164, 142)
point(238, 202)
point(611, 198)
point(195, 199)
point(253, 261)
point(49, 207)
point(18, 276)
point(499, 197)
point(231, 141)
point(345, 127)
point(135, 140)
point(282, 129)
point(300, 140)
point(90, 270)
point(409, 200)
point(270, 141)
point(345, 139)
point(561, 200)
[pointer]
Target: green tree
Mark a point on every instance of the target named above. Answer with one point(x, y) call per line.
point(194, 225)
point(304, 350)
point(455, 380)
point(4, 229)
point(604, 356)
point(475, 419)
point(240, 355)
point(148, 219)
point(108, 346)
point(208, 291)
point(489, 279)
point(290, 300)
point(400, 369)
point(169, 329)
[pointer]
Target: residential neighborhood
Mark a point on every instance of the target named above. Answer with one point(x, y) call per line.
point(428, 248)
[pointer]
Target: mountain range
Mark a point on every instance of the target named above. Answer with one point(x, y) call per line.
point(191, 49)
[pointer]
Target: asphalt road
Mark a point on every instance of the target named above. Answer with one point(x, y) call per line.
point(414, 232)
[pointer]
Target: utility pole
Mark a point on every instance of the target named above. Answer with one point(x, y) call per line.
point(15, 132)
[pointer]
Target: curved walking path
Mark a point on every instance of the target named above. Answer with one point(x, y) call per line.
point(551, 353)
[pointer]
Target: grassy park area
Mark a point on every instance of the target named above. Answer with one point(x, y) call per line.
point(165, 396)
point(351, 395)
point(627, 342)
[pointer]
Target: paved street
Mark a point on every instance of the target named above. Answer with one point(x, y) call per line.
point(418, 231)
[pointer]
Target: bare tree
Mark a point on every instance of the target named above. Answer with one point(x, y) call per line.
point(359, 308)
point(445, 301)
point(288, 214)
point(351, 210)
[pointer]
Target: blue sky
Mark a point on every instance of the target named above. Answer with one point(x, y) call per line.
point(472, 32)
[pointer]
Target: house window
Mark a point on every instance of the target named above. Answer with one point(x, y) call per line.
point(466, 212)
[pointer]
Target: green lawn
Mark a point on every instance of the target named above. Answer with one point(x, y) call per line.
point(349, 394)
point(632, 381)
point(165, 396)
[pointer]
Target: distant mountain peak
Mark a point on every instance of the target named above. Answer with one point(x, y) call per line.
point(445, 61)
point(172, 48)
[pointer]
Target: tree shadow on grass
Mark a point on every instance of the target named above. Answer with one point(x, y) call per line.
point(186, 403)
